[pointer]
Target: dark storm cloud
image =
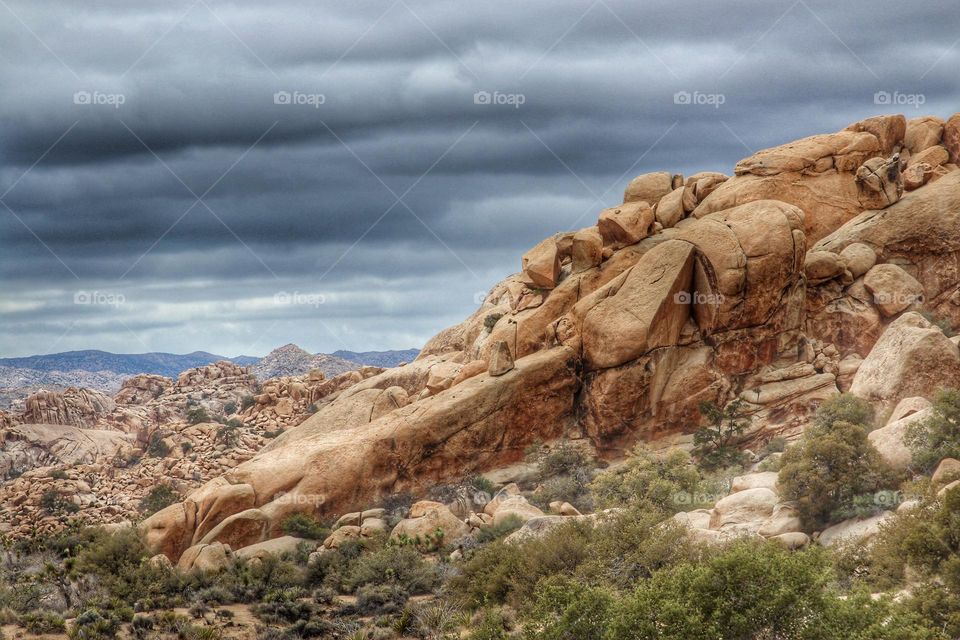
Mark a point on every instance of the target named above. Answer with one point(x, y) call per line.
point(398, 198)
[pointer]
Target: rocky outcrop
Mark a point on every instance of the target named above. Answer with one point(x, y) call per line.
point(697, 289)
point(912, 358)
point(290, 361)
point(75, 407)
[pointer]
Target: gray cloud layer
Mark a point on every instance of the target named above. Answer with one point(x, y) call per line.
point(300, 202)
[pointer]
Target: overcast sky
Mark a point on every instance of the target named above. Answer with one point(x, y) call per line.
point(233, 176)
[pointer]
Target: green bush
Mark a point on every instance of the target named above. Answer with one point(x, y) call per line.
point(197, 415)
point(42, 622)
point(497, 531)
point(670, 483)
point(380, 599)
point(156, 447)
point(303, 525)
point(93, 625)
point(756, 590)
point(55, 502)
point(564, 472)
point(845, 407)
point(566, 608)
point(490, 625)
point(829, 469)
point(938, 436)
point(160, 497)
point(394, 564)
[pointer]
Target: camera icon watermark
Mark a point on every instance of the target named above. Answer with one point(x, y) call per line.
point(98, 98)
point(897, 99)
point(299, 298)
point(99, 298)
point(479, 297)
point(697, 98)
point(515, 100)
point(297, 98)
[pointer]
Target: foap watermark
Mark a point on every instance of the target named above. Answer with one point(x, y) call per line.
point(100, 298)
point(901, 299)
point(301, 298)
point(698, 98)
point(514, 100)
point(99, 98)
point(298, 98)
point(888, 499)
point(300, 499)
point(697, 497)
point(698, 297)
point(898, 99)
point(479, 297)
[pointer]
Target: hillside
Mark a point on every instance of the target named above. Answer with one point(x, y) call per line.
point(291, 360)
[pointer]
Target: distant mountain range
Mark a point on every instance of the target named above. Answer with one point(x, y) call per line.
point(384, 359)
point(164, 364)
point(104, 371)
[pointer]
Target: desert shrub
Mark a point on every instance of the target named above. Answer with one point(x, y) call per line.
point(829, 468)
point(489, 624)
point(437, 619)
point(303, 525)
point(247, 401)
point(42, 622)
point(776, 444)
point(400, 565)
point(94, 625)
point(118, 561)
point(141, 626)
point(566, 608)
point(508, 573)
point(278, 607)
point(55, 502)
point(197, 415)
point(669, 483)
point(944, 324)
point(748, 590)
point(845, 407)
point(490, 321)
point(229, 408)
point(271, 577)
point(156, 447)
point(633, 545)
point(58, 474)
point(715, 444)
point(500, 530)
point(229, 434)
point(160, 497)
point(564, 472)
point(314, 628)
point(926, 538)
point(938, 436)
point(380, 599)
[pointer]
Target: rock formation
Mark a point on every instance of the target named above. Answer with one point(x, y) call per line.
point(797, 277)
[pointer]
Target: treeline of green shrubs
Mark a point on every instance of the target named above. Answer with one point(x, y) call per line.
point(635, 577)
